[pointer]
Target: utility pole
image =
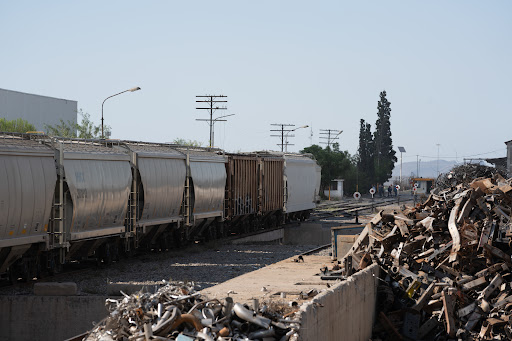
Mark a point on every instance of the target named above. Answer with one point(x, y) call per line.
point(212, 100)
point(438, 159)
point(332, 135)
point(417, 166)
point(283, 131)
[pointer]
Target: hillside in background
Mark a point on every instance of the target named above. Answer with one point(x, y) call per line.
point(427, 169)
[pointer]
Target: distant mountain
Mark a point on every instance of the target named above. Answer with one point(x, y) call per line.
point(427, 169)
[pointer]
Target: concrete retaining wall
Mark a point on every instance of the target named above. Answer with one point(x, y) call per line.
point(307, 234)
point(261, 238)
point(48, 317)
point(344, 312)
point(303, 234)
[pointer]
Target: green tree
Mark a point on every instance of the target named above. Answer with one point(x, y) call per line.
point(63, 129)
point(384, 155)
point(365, 155)
point(190, 143)
point(86, 129)
point(16, 126)
point(335, 164)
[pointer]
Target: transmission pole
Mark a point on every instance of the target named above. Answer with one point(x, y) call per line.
point(283, 131)
point(332, 135)
point(212, 100)
point(438, 158)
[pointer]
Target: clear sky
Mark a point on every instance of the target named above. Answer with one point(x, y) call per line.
point(446, 66)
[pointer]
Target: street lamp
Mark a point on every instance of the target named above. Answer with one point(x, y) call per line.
point(286, 137)
point(122, 92)
point(213, 127)
point(402, 150)
point(211, 123)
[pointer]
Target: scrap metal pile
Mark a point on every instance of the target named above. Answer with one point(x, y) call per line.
point(177, 312)
point(465, 173)
point(446, 264)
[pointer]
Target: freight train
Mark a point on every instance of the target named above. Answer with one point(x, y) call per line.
point(64, 200)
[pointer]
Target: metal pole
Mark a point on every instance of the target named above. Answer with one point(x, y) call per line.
point(282, 138)
point(417, 166)
point(400, 168)
point(438, 159)
point(122, 92)
point(211, 123)
point(102, 136)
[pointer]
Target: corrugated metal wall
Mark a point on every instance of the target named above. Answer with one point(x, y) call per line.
point(271, 184)
point(242, 185)
point(37, 110)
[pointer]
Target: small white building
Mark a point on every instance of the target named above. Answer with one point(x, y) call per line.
point(336, 189)
point(424, 185)
point(35, 109)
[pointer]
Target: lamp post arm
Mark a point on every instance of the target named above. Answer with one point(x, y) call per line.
point(122, 92)
point(102, 135)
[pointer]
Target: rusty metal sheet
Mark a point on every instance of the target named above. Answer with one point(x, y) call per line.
point(448, 304)
point(271, 184)
point(241, 185)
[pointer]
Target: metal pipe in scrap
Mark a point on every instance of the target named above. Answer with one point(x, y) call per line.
point(247, 315)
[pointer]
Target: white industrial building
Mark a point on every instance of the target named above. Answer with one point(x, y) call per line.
point(35, 109)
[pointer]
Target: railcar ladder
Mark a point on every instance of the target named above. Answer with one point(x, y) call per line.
point(56, 229)
point(186, 199)
point(132, 214)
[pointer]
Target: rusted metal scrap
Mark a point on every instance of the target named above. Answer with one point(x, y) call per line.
point(448, 259)
point(177, 312)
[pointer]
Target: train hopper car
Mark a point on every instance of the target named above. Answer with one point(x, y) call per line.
point(27, 185)
point(159, 174)
point(301, 178)
point(92, 198)
point(204, 192)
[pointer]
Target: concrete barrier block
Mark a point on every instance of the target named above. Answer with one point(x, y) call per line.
point(55, 289)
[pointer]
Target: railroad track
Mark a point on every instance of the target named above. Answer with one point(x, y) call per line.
point(90, 265)
point(340, 209)
point(323, 211)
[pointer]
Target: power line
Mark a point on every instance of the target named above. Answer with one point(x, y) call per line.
point(283, 131)
point(211, 99)
point(332, 135)
point(453, 157)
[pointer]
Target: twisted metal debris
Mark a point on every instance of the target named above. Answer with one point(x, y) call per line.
point(446, 264)
point(177, 312)
point(464, 174)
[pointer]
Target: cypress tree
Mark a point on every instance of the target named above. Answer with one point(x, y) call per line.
point(365, 164)
point(384, 155)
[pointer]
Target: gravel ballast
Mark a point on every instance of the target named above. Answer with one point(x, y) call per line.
point(205, 265)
